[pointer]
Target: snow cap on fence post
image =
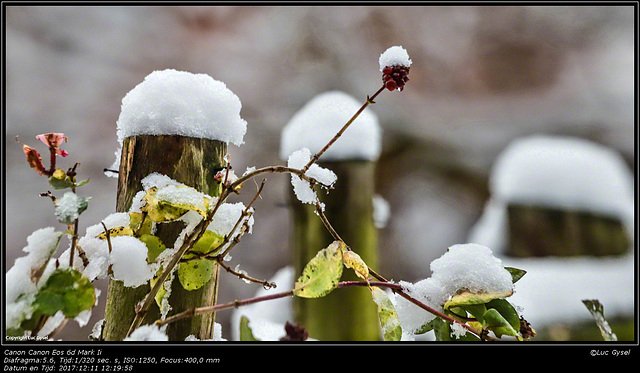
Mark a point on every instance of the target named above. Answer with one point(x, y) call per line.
point(171, 102)
point(321, 118)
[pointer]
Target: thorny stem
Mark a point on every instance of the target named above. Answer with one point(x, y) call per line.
point(344, 128)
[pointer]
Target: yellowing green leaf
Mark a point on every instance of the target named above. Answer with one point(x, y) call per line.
point(354, 261)
point(168, 207)
point(66, 290)
point(161, 293)
point(59, 174)
point(208, 243)
point(391, 329)
point(199, 202)
point(154, 246)
point(116, 231)
point(195, 273)
point(321, 275)
point(160, 212)
point(59, 180)
point(467, 298)
point(139, 224)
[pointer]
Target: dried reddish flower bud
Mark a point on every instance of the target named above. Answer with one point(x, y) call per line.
point(54, 140)
point(395, 77)
point(394, 65)
point(33, 157)
point(295, 332)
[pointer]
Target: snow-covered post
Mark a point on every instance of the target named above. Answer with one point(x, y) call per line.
point(558, 196)
point(176, 124)
point(341, 315)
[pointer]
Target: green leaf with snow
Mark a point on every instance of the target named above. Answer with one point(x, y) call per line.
point(66, 290)
point(246, 334)
point(70, 206)
point(116, 231)
point(49, 249)
point(322, 273)
point(195, 273)
point(444, 332)
point(597, 311)
point(160, 212)
point(467, 298)
point(162, 206)
point(389, 321)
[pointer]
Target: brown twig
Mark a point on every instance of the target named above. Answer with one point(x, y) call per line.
point(238, 303)
point(341, 131)
point(108, 238)
point(266, 284)
point(276, 169)
point(399, 291)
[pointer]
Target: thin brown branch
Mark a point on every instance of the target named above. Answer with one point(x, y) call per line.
point(266, 284)
point(209, 309)
point(238, 303)
point(341, 131)
point(327, 224)
point(276, 169)
point(108, 238)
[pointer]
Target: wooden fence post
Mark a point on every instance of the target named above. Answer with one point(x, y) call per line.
point(193, 162)
point(344, 314)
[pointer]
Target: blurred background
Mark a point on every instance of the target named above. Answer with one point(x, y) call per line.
point(481, 77)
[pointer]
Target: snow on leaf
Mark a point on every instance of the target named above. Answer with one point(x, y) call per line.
point(70, 206)
point(391, 330)
point(597, 311)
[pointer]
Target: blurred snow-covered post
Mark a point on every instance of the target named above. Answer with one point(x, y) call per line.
point(346, 314)
point(176, 124)
point(559, 196)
